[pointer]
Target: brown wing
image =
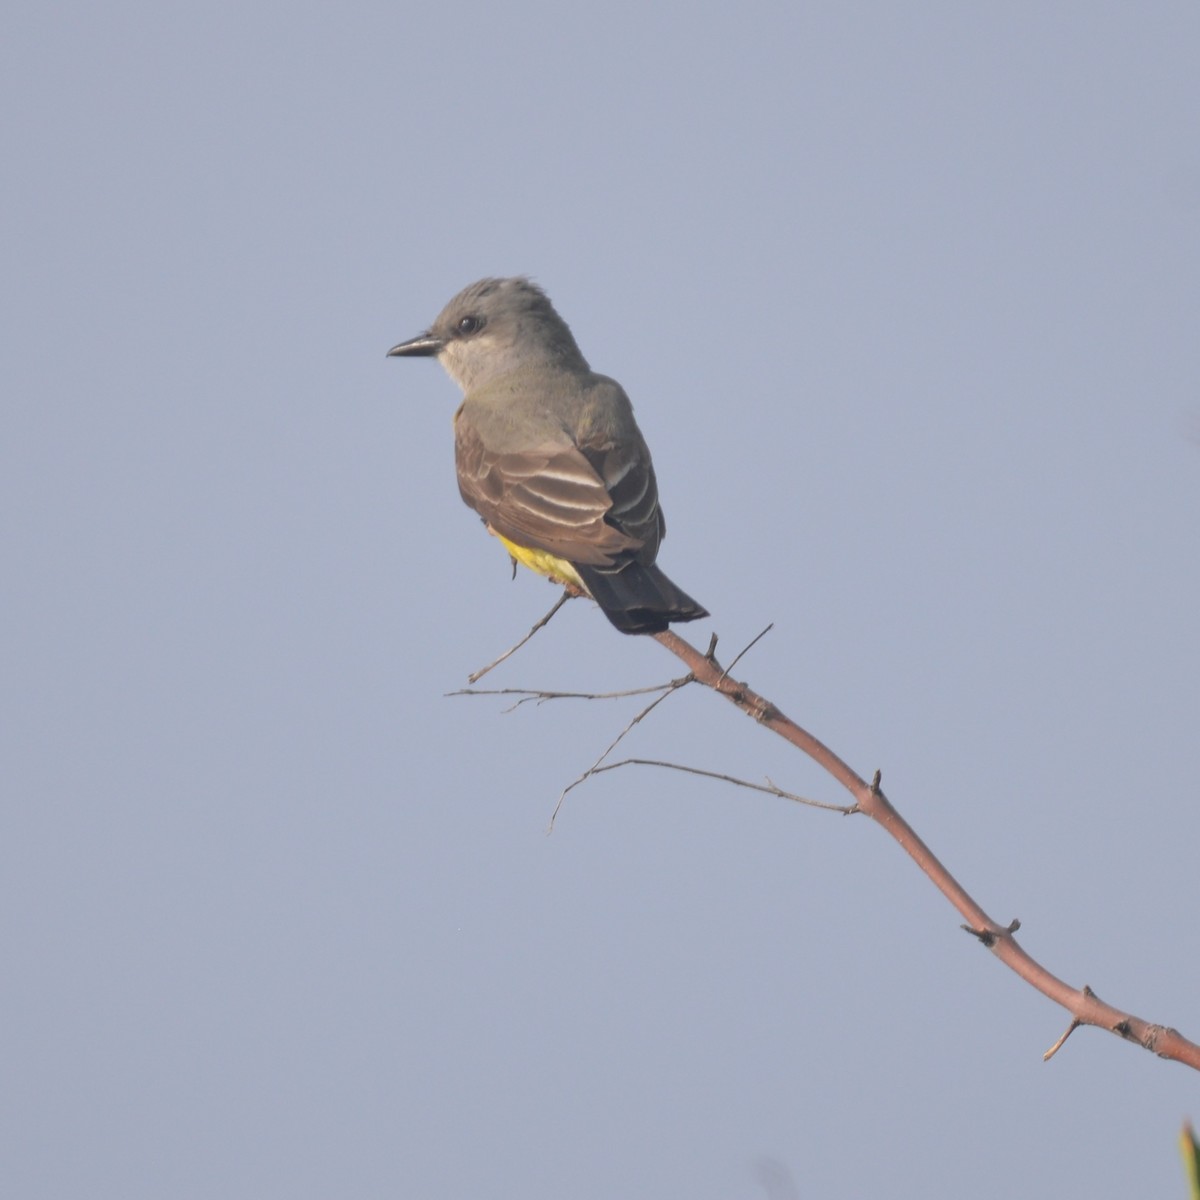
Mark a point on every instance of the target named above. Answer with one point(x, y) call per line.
point(628, 476)
point(595, 504)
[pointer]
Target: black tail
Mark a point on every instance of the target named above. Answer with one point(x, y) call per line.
point(638, 599)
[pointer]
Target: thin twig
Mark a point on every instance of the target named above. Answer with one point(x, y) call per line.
point(476, 676)
point(737, 658)
point(671, 688)
point(1074, 1025)
point(770, 787)
point(540, 696)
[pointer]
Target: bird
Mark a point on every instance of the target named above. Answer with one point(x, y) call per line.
point(549, 455)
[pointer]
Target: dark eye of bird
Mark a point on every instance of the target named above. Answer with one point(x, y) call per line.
point(470, 325)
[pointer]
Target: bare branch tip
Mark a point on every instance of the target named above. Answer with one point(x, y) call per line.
point(1074, 1025)
point(737, 658)
point(985, 937)
point(476, 676)
point(989, 937)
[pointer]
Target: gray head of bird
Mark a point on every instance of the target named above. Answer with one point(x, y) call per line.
point(494, 327)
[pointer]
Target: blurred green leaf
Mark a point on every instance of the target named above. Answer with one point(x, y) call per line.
point(1190, 1150)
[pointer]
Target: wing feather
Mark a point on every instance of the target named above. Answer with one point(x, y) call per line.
point(548, 498)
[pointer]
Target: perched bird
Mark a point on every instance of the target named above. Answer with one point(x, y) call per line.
point(549, 455)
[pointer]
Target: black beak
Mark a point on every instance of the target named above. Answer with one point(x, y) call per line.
point(424, 345)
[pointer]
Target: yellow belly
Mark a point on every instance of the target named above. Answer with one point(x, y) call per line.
point(544, 563)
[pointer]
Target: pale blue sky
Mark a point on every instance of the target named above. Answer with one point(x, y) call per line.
point(906, 299)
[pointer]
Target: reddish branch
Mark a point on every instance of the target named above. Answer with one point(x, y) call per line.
point(1085, 1007)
